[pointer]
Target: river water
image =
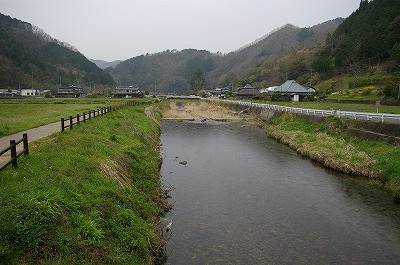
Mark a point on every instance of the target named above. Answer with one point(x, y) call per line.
point(245, 199)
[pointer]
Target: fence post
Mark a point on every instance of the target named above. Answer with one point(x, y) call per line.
point(77, 119)
point(13, 153)
point(84, 117)
point(110, 108)
point(25, 141)
point(62, 124)
point(71, 121)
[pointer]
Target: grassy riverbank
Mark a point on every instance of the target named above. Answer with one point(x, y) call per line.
point(328, 145)
point(87, 196)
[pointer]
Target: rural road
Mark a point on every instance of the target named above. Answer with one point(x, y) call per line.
point(33, 134)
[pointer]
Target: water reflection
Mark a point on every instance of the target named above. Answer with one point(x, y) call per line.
point(245, 199)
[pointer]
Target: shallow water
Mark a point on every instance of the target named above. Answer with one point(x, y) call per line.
point(245, 199)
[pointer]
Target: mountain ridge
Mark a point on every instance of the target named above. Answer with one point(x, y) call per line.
point(26, 50)
point(171, 70)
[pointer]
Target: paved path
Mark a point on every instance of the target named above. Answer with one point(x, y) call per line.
point(33, 134)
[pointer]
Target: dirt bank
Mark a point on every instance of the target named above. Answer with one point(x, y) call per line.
point(200, 110)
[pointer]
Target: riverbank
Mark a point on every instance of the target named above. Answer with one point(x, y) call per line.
point(327, 144)
point(200, 110)
point(90, 195)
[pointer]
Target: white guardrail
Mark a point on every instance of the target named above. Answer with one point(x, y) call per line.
point(366, 116)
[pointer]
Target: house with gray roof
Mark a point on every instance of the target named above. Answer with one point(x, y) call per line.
point(247, 91)
point(292, 89)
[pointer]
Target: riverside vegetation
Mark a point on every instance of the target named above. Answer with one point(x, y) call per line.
point(90, 195)
point(327, 143)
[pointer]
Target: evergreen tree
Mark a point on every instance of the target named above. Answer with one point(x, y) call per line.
point(198, 81)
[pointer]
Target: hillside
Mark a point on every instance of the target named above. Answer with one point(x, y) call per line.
point(25, 49)
point(168, 71)
point(369, 36)
point(104, 64)
point(171, 71)
point(282, 54)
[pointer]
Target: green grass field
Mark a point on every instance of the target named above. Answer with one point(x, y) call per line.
point(23, 114)
point(86, 196)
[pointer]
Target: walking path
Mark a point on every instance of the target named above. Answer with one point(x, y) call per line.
point(37, 133)
point(33, 134)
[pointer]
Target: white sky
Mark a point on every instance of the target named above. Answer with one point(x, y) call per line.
point(121, 29)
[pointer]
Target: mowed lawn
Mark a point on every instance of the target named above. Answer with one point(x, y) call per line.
point(23, 114)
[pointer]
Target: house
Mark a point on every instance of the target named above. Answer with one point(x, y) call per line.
point(267, 90)
point(311, 89)
point(9, 93)
point(69, 92)
point(127, 92)
point(29, 92)
point(217, 92)
point(247, 91)
point(293, 89)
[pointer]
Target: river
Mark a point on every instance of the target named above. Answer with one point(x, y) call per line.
point(243, 198)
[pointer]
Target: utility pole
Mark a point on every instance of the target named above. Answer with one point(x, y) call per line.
point(311, 78)
point(32, 81)
point(398, 95)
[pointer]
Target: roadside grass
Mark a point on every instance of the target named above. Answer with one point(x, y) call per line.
point(21, 114)
point(90, 195)
point(326, 144)
point(336, 106)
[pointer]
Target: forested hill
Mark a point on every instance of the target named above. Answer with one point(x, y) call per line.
point(283, 53)
point(25, 49)
point(168, 71)
point(370, 35)
point(171, 71)
point(104, 64)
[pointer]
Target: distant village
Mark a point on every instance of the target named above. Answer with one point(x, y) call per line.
point(290, 90)
point(73, 92)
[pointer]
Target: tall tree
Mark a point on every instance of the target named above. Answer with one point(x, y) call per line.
point(198, 81)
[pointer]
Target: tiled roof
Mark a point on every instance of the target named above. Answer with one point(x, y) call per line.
point(291, 86)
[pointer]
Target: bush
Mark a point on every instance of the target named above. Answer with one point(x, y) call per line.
point(280, 97)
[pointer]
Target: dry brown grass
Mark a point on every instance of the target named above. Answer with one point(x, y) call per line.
point(116, 171)
point(327, 150)
point(198, 110)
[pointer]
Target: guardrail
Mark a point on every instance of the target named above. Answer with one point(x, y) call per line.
point(13, 149)
point(367, 116)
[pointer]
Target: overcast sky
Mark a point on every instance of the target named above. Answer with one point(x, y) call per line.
point(121, 29)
